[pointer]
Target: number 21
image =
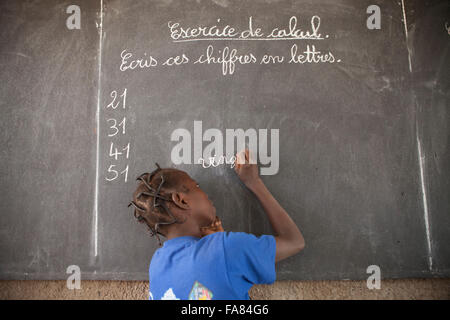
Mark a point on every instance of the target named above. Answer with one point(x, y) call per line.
point(114, 96)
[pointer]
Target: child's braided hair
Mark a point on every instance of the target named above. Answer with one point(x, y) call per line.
point(149, 199)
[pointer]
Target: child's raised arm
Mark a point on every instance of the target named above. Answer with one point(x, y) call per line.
point(288, 237)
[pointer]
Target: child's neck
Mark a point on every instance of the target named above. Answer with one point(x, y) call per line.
point(182, 230)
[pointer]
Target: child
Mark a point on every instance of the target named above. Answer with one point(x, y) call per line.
point(199, 261)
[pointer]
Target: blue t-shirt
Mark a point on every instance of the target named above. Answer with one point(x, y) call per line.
point(219, 266)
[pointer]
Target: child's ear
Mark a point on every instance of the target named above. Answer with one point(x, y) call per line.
point(180, 199)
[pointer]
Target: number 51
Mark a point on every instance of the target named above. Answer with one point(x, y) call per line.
point(114, 173)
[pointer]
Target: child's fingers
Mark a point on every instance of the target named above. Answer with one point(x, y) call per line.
point(240, 157)
point(243, 157)
point(249, 157)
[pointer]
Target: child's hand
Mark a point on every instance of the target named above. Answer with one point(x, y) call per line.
point(216, 226)
point(247, 172)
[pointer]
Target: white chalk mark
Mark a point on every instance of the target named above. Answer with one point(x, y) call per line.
point(97, 118)
point(424, 198)
point(222, 3)
point(249, 39)
point(421, 160)
point(406, 35)
point(20, 54)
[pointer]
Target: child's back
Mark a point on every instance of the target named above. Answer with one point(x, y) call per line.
point(222, 265)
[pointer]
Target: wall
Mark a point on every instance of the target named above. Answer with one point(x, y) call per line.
point(390, 289)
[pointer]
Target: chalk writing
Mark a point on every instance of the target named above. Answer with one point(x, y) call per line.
point(117, 126)
point(229, 58)
point(213, 162)
point(179, 33)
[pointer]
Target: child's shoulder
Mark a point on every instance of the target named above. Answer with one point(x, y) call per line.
point(229, 237)
point(219, 238)
point(216, 236)
point(226, 234)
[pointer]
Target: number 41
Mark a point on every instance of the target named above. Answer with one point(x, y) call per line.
point(116, 153)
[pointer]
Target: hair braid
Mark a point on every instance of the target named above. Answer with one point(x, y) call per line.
point(150, 203)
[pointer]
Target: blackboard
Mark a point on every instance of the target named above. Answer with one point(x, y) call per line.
point(361, 116)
